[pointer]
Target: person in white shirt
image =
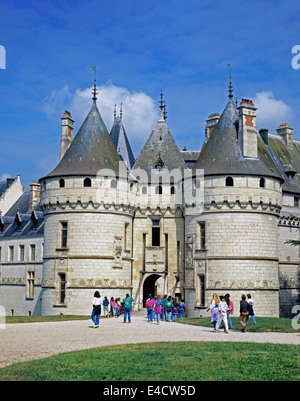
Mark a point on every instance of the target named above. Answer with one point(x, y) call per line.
point(223, 307)
point(97, 302)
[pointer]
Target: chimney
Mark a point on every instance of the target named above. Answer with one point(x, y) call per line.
point(35, 189)
point(66, 133)
point(211, 123)
point(247, 135)
point(286, 132)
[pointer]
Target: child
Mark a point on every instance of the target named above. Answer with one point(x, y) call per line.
point(223, 307)
point(181, 308)
point(105, 307)
point(174, 313)
point(251, 311)
point(157, 308)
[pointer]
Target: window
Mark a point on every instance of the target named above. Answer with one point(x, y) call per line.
point(32, 252)
point(296, 201)
point(172, 190)
point(229, 182)
point(62, 288)
point(61, 183)
point(87, 182)
point(11, 253)
point(202, 235)
point(0, 254)
point(30, 285)
point(126, 242)
point(144, 190)
point(201, 289)
point(113, 184)
point(155, 233)
point(21, 253)
point(64, 234)
point(158, 190)
point(262, 183)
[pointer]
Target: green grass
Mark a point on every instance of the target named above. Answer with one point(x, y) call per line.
point(264, 324)
point(182, 361)
point(37, 319)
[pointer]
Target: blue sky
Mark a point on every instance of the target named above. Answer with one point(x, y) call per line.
point(139, 47)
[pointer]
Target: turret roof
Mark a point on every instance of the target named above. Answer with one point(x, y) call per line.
point(91, 150)
point(120, 139)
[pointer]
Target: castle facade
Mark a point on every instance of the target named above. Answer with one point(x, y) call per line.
point(183, 223)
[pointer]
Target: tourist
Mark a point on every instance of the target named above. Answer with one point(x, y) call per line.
point(169, 308)
point(119, 306)
point(244, 312)
point(174, 313)
point(163, 308)
point(149, 306)
point(105, 307)
point(96, 302)
point(127, 308)
point(158, 308)
point(222, 317)
point(251, 311)
point(113, 306)
point(214, 309)
point(230, 309)
point(181, 308)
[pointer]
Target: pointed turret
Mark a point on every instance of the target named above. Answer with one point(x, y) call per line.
point(120, 139)
point(91, 150)
point(160, 150)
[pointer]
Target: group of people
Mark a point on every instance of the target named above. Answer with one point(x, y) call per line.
point(115, 307)
point(222, 308)
point(166, 308)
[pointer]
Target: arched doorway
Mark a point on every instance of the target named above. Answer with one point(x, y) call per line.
point(149, 286)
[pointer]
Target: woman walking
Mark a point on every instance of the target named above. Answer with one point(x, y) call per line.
point(157, 308)
point(96, 302)
point(230, 309)
point(251, 311)
point(214, 309)
point(113, 306)
point(149, 306)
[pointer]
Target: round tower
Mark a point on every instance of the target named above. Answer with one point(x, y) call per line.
point(88, 213)
point(232, 246)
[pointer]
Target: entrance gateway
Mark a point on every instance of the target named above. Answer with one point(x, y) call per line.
point(155, 284)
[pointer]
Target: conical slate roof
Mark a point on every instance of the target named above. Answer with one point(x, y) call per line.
point(120, 139)
point(160, 151)
point(91, 150)
point(221, 155)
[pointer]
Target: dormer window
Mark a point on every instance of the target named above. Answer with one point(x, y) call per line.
point(34, 219)
point(87, 182)
point(18, 221)
point(262, 183)
point(1, 225)
point(229, 182)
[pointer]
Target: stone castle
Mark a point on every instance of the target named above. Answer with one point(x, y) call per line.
point(183, 223)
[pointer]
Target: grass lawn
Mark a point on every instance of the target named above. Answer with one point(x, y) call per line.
point(264, 324)
point(182, 361)
point(36, 319)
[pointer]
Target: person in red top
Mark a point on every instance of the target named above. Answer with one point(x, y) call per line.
point(230, 309)
point(149, 306)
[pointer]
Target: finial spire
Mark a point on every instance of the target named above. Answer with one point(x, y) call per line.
point(95, 86)
point(115, 112)
point(161, 103)
point(230, 90)
point(165, 111)
point(121, 112)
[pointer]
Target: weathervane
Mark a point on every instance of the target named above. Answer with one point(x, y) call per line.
point(95, 86)
point(230, 90)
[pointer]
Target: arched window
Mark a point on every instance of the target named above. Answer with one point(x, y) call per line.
point(113, 184)
point(158, 190)
point(61, 183)
point(172, 190)
point(144, 190)
point(229, 182)
point(262, 183)
point(87, 182)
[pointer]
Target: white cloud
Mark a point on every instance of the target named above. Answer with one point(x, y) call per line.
point(140, 111)
point(4, 177)
point(270, 110)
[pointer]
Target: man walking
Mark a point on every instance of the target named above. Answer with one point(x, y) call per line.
point(244, 312)
point(127, 307)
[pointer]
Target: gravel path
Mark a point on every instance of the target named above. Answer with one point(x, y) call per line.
point(28, 341)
